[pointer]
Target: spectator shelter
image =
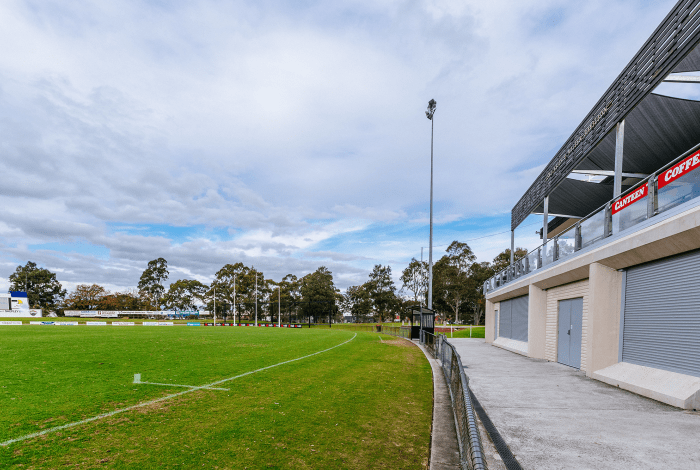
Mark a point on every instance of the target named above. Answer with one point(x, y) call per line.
point(613, 289)
point(421, 319)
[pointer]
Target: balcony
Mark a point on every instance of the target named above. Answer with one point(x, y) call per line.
point(672, 189)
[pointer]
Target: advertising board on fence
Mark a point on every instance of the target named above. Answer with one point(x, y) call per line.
point(122, 323)
point(630, 198)
point(96, 323)
point(10, 323)
point(41, 322)
point(65, 323)
point(158, 323)
point(193, 323)
point(679, 169)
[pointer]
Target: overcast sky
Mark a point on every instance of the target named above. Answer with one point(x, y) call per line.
point(286, 135)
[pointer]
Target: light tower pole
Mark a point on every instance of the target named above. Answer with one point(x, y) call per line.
point(432, 104)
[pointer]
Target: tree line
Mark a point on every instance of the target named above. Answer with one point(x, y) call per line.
point(457, 287)
point(457, 291)
point(311, 296)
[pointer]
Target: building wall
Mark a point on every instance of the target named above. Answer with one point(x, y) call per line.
point(554, 295)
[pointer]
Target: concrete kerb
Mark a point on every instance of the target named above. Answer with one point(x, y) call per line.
point(444, 448)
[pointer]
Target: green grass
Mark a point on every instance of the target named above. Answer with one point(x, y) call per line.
point(366, 404)
point(477, 332)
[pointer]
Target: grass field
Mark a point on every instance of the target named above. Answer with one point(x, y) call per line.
point(477, 332)
point(363, 404)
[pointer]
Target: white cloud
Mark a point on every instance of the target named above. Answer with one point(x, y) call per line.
point(280, 130)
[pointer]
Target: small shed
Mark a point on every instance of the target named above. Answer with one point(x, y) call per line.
point(421, 319)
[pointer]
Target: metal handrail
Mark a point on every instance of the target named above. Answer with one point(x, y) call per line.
point(653, 178)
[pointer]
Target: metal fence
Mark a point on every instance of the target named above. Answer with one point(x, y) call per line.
point(471, 454)
point(430, 341)
point(399, 331)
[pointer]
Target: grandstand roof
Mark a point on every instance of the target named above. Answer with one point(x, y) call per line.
point(657, 128)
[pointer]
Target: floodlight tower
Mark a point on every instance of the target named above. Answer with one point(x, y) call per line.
point(432, 104)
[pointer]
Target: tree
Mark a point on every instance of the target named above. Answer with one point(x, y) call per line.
point(128, 300)
point(43, 289)
point(451, 283)
point(415, 279)
point(86, 297)
point(382, 290)
point(358, 302)
point(185, 294)
point(502, 260)
point(290, 294)
point(318, 294)
point(479, 273)
point(151, 282)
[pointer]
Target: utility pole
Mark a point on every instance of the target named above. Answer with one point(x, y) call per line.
point(432, 104)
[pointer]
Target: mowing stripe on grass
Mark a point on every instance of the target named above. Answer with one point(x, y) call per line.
point(158, 400)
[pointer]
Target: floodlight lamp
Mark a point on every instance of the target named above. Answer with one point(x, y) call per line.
point(431, 109)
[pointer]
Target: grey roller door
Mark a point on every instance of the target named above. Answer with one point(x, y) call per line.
point(504, 327)
point(661, 323)
point(513, 321)
point(495, 326)
point(519, 318)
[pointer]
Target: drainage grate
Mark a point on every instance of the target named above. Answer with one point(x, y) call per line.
point(506, 455)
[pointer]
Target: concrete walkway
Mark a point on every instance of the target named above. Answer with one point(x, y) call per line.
point(553, 417)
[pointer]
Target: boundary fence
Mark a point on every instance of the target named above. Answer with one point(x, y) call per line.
point(471, 453)
point(398, 331)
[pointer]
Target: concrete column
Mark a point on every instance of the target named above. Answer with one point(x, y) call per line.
point(489, 321)
point(603, 329)
point(536, 322)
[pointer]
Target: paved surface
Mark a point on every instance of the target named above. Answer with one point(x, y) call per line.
point(444, 448)
point(553, 417)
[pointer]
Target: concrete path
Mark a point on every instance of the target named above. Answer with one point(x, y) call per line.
point(553, 417)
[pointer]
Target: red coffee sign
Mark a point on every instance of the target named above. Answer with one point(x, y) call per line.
point(679, 169)
point(630, 199)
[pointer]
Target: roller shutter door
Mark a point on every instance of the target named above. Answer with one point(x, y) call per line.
point(504, 327)
point(661, 326)
point(513, 321)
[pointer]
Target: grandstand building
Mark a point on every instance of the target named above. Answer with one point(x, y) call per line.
point(614, 289)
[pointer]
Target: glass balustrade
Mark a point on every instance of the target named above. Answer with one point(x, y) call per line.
point(677, 192)
point(533, 260)
point(593, 229)
point(566, 243)
point(676, 185)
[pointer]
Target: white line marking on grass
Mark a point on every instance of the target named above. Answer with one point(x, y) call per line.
point(137, 380)
point(158, 400)
point(186, 386)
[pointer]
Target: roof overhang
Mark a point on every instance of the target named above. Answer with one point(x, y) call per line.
point(670, 49)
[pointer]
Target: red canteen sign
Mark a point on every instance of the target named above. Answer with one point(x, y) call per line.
point(630, 199)
point(676, 171)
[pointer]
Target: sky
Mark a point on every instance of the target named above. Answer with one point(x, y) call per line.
point(287, 135)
